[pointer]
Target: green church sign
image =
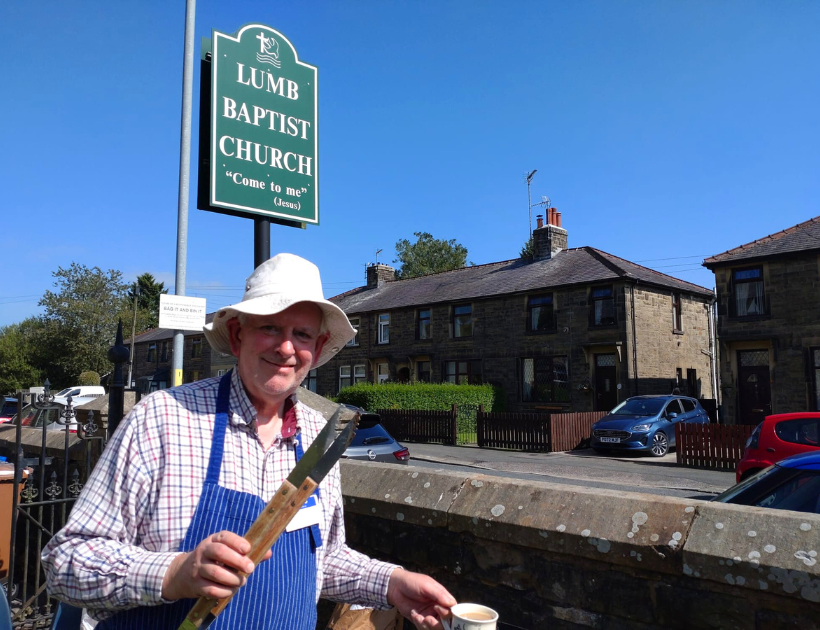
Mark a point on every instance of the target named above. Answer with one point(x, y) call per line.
point(263, 128)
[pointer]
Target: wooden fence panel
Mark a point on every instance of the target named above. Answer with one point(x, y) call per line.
point(571, 430)
point(420, 425)
point(716, 446)
point(520, 431)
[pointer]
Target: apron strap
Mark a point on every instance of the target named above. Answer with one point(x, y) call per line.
point(223, 399)
point(315, 533)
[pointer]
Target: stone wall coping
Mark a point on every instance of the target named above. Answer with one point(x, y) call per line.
point(752, 548)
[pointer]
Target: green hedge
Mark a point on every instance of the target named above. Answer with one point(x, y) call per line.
point(431, 396)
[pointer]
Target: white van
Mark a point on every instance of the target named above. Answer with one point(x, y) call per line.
point(80, 394)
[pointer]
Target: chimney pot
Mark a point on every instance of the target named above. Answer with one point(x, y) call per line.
point(539, 220)
point(558, 218)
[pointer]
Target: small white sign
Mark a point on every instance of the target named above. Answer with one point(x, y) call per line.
point(180, 312)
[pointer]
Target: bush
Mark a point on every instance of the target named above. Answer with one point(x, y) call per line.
point(430, 396)
point(88, 378)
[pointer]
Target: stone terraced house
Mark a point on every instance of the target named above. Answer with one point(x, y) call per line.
point(154, 359)
point(572, 329)
point(768, 296)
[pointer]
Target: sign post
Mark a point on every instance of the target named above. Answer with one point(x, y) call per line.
point(258, 132)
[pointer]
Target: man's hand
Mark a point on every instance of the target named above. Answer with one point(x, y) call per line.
point(210, 570)
point(419, 598)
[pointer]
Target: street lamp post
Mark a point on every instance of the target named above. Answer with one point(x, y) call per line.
point(133, 334)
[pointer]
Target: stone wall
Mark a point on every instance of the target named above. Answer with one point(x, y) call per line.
point(556, 556)
point(661, 350)
point(789, 330)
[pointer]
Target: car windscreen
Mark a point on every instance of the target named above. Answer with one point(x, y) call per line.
point(368, 436)
point(639, 407)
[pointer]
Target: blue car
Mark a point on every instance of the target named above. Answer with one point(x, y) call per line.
point(790, 484)
point(645, 424)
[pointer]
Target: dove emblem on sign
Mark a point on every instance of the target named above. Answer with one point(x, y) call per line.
point(268, 51)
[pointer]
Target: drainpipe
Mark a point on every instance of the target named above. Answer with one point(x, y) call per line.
point(713, 349)
point(634, 340)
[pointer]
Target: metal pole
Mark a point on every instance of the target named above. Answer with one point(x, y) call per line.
point(184, 176)
point(529, 205)
point(117, 354)
point(133, 334)
point(261, 241)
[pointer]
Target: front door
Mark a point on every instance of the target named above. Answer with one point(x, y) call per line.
point(754, 386)
point(606, 393)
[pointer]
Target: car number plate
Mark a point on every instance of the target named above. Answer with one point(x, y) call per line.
point(610, 439)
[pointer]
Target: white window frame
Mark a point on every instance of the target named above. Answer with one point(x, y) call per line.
point(384, 327)
point(356, 322)
point(345, 374)
point(359, 373)
point(221, 372)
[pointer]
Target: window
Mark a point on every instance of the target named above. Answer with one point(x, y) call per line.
point(423, 371)
point(798, 494)
point(355, 322)
point(359, 373)
point(310, 381)
point(603, 307)
point(677, 321)
point(152, 352)
point(673, 407)
point(382, 372)
point(540, 313)
point(688, 405)
point(344, 376)
point(196, 348)
point(462, 372)
point(195, 376)
point(423, 324)
point(163, 354)
point(384, 328)
point(221, 372)
point(748, 292)
point(545, 379)
point(801, 431)
point(463, 320)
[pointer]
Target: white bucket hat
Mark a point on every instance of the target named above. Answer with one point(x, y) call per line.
point(275, 285)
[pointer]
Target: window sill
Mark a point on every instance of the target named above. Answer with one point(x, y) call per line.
point(748, 318)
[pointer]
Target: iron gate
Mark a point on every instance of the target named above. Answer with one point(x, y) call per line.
point(53, 453)
point(53, 449)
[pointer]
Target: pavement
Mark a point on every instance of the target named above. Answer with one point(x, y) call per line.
point(630, 472)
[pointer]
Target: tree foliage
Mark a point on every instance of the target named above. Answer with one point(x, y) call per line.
point(80, 320)
point(527, 250)
point(148, 301)
point(428, 255)
point(17, 357)
point(88, 378)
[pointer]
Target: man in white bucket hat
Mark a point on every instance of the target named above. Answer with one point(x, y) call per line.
point(188, 470)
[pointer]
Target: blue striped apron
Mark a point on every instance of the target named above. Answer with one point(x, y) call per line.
point(281, 592)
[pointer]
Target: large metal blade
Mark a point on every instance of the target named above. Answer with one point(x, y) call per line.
point(332, 455)
point(317, 448)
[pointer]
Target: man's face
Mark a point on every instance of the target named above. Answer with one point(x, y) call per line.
point(275, 352)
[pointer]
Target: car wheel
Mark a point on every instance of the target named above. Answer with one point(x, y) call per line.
point(660, 444)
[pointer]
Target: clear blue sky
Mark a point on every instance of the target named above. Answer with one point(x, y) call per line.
point(663, 131)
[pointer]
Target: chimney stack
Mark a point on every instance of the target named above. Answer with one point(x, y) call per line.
point(539, 221)
point(549, 239)
point(378, 274)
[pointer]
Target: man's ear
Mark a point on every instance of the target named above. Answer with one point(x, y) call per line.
point(234, 334)
point(321, 340)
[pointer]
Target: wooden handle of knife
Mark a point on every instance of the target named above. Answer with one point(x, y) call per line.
point(267, 527)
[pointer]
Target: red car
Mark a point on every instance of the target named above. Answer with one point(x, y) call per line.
point(778, 437)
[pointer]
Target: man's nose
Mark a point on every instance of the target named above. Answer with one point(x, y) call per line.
point(286, 346)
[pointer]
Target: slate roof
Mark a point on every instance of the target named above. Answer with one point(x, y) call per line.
point(583, 265)
point(161, 334)
point(799, 238)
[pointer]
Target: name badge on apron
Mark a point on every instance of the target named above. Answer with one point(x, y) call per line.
point(309, 514)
